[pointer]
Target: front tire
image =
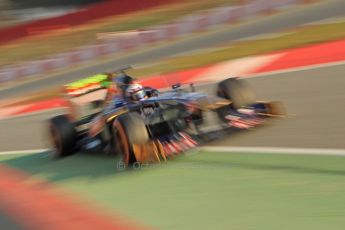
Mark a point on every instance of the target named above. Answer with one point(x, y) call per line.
point(236, 91)
point(129, 130)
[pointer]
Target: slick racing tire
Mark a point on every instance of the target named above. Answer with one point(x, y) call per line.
point(237, 91)
point(63, 136)
point(129, 129)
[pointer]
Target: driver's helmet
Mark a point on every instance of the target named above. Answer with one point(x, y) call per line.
point(135, 92)
point(122, 81)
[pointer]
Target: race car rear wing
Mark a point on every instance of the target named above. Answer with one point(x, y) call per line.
point(87, 85)
point(93, 83)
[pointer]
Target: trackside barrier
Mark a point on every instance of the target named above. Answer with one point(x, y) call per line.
point(82, 16)
point(186, 25)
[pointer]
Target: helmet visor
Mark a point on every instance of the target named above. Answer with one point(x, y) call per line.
point(138, 95)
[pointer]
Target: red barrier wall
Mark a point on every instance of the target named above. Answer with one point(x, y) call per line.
point(95, 11)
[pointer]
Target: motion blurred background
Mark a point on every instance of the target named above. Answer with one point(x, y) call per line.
point(288, 50)
point(14, 12)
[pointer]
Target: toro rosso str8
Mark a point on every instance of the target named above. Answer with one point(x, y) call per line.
point(155, 128)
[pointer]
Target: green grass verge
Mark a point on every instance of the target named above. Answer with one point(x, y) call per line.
point(37, 47)
point(208, 190)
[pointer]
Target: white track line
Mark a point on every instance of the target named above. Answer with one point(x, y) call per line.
point(275, 150)
point(30, 151)
point(257, 150)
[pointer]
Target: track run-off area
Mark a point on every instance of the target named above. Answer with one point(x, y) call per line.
point(202, 190)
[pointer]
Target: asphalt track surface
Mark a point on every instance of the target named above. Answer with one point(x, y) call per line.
point(314, 100)
point(281, 21)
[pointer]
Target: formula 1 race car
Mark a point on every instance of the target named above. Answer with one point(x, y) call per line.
point(155, 128)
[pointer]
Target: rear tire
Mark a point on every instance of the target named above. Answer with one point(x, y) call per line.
point(63, 136)
point(129, 129)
